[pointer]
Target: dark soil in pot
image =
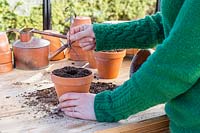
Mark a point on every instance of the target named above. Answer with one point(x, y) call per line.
point(71, 72)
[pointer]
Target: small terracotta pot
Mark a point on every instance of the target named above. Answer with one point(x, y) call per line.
point(91, 60)
point(79, 20)
point(55, 44)
point(7, 67)
point(4, 44)
point(139, 59)
point(109, 63)
point(67, 55)
point(63, 85)
point(6, 57)
point(76, 53)
point(132, 51)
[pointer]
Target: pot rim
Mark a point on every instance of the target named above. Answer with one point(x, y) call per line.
point(82, 18)
point(72, 81)
point(111, 55)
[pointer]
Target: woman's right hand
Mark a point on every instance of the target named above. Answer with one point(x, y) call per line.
point(85, 35)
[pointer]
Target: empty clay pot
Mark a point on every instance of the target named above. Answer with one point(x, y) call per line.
point(139, 59)
point(79, 20)
point(77, 54)
point(55, 43)
point(67, 55)
point(132, 51)
point(4, 44)
point(6, 57)
point(63, 85)
point(91, 60)
point(7, 67)
point(109, 63)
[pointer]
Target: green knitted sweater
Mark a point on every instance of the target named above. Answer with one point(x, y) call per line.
point(169, 76)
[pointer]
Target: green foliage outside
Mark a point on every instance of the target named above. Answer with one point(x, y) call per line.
point(98, 10)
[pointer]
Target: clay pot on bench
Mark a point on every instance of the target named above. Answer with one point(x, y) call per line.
point(71, 79)
point(76, 52)
point(5, 54)
point(109, 63)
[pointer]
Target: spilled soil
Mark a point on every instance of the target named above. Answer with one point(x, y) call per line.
point(46, 100)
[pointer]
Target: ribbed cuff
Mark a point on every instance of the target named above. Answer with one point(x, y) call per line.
point(120, 104)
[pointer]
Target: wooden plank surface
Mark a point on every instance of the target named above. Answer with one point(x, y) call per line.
point(154, 125)
point(15, 118)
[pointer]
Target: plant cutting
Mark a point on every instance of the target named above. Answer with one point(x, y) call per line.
point(71, 79)
point(109, 63)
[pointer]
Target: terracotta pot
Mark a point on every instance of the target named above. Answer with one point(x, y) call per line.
point(132, 51)
point(79, 20)
point(139, 59)
point(4, 44)
point(109, 63)
point(77, 54)
point(5, 57)
point(91, 60)
point(7, 67)
point(55, 43)
point(63, 85)
point(67, 55)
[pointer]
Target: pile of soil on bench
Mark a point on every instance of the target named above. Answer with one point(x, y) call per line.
point(101, 86)
point(45, 100)
point(71, 72)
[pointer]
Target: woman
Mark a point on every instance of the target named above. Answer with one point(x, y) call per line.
point(170, 75)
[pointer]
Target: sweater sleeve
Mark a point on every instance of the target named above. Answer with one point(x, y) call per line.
point(168, 73)
point(143, 33)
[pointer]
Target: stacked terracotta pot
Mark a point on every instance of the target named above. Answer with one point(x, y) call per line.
point(5, 54)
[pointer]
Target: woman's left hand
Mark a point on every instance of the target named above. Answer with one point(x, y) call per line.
point(78, 105)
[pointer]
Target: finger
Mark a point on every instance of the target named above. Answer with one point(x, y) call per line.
point(69, 103)
point(71, 109)
point(79, 36)
point(75, 29)
point(82, 45)
point(69, 96)
point(88, 47)
point(86, 39)
point(73, 114)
